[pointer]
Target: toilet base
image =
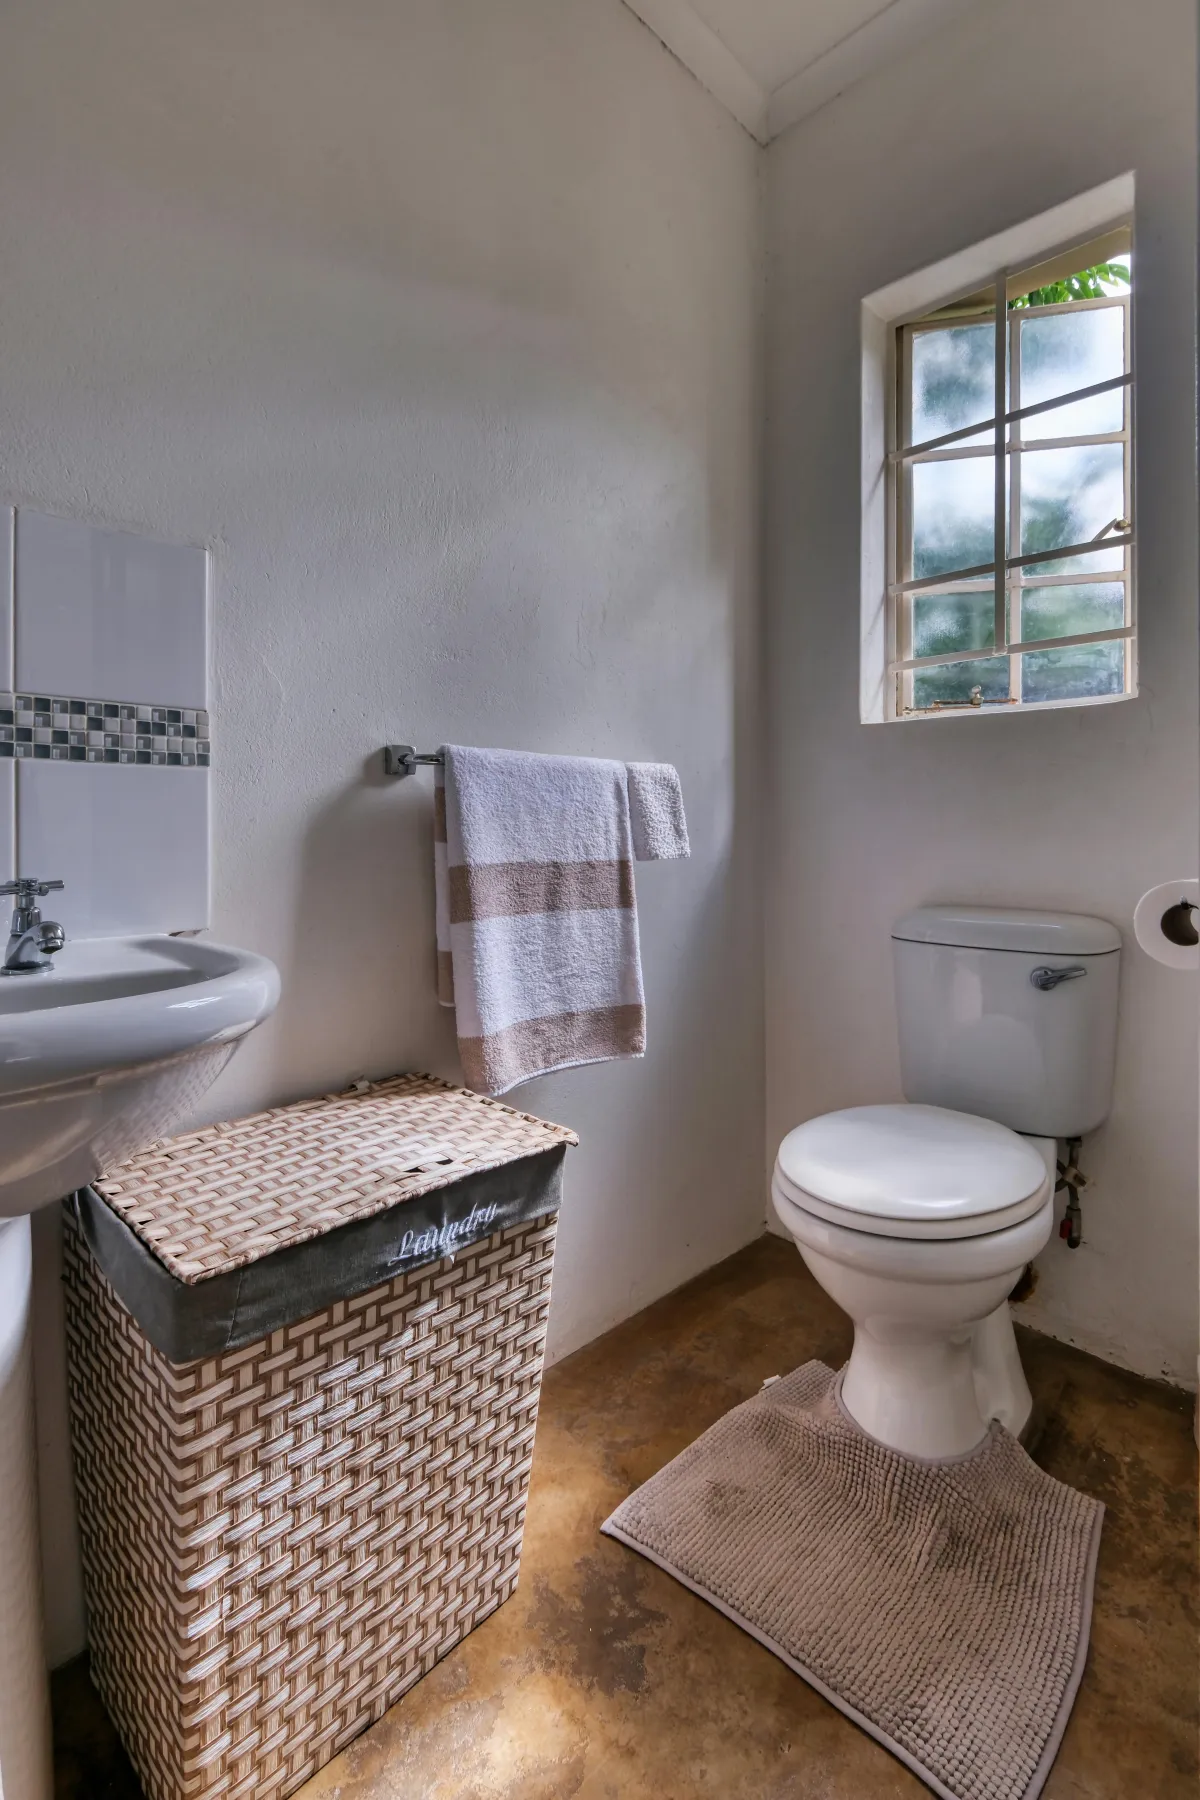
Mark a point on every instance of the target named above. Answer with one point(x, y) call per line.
point(1000, 1385)
point(936, 1396)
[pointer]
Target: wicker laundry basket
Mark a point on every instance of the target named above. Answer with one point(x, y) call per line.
point(283, 1533)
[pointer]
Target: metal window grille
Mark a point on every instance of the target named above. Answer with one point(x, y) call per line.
point(1012, 568)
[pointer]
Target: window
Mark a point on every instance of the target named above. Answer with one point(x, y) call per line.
point(1010, 503)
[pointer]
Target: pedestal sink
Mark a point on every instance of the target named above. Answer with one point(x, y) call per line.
point(98, 1056)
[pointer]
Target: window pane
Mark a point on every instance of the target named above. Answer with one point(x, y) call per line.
point(1061, 351)
point(1067, 496)
point(1081, 672)
point(952, 506)
point(1050, 612)
point(952, 683)
point(945, 622)
point(953, 380)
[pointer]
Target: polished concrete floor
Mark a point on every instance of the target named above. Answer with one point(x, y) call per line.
point(602, 1679)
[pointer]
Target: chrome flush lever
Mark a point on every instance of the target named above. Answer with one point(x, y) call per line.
point(1045, 979)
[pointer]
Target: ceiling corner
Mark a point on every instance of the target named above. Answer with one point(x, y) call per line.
point(899, 28)
point(772, 63)
point(709, 59)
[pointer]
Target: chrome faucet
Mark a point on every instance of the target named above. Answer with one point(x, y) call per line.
point(31, 942)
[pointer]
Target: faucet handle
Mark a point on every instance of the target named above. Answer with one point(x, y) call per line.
point(27, 886)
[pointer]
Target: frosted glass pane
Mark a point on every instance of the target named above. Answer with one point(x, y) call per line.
point(953, 380)
point(1081, 672)
point(1061, 351)
point(953, 508)
point(1092, 562)
point(1050, 612)
point(953, 681)
point(945, 622)
point(1067, 496)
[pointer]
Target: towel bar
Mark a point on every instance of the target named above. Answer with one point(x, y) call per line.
point(402, 759)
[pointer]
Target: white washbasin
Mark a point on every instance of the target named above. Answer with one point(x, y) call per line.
point(106, 1050)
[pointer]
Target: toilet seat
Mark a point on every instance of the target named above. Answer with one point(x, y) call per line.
point(912, 1172)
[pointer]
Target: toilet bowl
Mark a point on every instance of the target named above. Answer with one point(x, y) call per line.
point(918, 1220)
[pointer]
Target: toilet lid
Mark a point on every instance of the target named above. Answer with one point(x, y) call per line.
point(912, 1170)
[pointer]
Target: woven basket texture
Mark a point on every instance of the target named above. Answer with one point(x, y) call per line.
point(226, 1195)
point(280, 1540)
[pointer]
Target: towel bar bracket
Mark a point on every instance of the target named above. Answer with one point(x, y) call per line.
point(402, 759)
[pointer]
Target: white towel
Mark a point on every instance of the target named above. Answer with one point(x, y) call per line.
point(536, 916)
point(656, 812)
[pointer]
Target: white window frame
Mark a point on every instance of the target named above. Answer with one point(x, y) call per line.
point(889, 319)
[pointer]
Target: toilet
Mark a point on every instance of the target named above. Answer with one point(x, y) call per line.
point(918, 1219)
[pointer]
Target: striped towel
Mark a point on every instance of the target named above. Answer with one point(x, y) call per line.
point(536, 917)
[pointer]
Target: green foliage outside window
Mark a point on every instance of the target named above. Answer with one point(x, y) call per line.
point(1088, 284)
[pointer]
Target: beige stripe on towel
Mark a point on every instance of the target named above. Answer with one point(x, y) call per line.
point(495, 890)
point(503, 1058)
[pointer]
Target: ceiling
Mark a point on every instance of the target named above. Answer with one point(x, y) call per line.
point(772, 62)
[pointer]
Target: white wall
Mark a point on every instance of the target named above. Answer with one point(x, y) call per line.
point(1021, 105)
point(438, 324)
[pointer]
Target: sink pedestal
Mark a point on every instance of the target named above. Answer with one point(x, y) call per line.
point(26, 1771)
point(98, 1057)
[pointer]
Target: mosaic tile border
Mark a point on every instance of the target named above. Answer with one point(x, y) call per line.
point(54, 728)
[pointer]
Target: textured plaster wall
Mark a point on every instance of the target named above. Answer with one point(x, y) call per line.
point(1078, 809)
point(438, 323)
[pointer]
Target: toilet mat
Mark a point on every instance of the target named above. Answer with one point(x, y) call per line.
point(942, 1606)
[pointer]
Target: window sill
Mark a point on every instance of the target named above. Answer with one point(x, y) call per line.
point(1024, 710)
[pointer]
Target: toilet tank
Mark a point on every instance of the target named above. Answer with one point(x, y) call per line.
point(1008, 1014)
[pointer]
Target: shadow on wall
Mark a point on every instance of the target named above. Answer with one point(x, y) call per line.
point(62, 1578)
point(359, 994)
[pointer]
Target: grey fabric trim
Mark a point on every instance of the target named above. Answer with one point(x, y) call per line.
point(185, 1320)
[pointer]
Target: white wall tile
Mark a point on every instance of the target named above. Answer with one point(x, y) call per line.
point(131, 843)
point(8, 808)
point(109, 615)
point(8, 828)
point(7, 517)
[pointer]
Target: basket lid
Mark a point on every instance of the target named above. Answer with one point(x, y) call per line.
point(229, 1194)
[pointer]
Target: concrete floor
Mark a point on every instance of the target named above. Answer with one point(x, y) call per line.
point(602, 1679)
